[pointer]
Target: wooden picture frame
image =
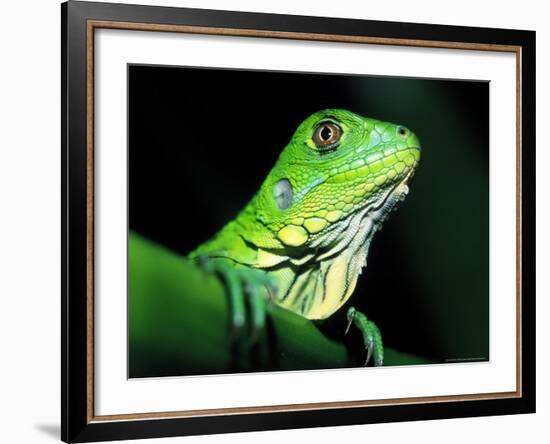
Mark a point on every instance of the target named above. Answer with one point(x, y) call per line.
point(80, 20)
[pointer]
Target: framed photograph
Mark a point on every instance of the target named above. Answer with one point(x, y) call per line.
point(276, 221)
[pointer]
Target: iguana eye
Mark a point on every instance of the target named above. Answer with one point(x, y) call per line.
point(326, 134)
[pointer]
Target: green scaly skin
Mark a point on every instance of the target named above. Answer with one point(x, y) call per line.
point(303, 239)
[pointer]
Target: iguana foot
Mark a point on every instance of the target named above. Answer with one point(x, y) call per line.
point(372, 338)
point(244, 284)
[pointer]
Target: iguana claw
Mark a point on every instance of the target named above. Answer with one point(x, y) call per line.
point(372, 338)
point(244, 285)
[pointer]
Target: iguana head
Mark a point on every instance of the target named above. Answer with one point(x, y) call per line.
point(330, 190)
point(336, 165)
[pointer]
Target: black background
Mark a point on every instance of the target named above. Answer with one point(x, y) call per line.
point(201, 141)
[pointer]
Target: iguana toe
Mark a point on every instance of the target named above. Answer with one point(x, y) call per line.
point(372, 339)
point(244, 286)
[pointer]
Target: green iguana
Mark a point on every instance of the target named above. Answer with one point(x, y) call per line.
point(303, 239)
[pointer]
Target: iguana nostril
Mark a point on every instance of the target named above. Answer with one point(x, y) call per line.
point(402, 131)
